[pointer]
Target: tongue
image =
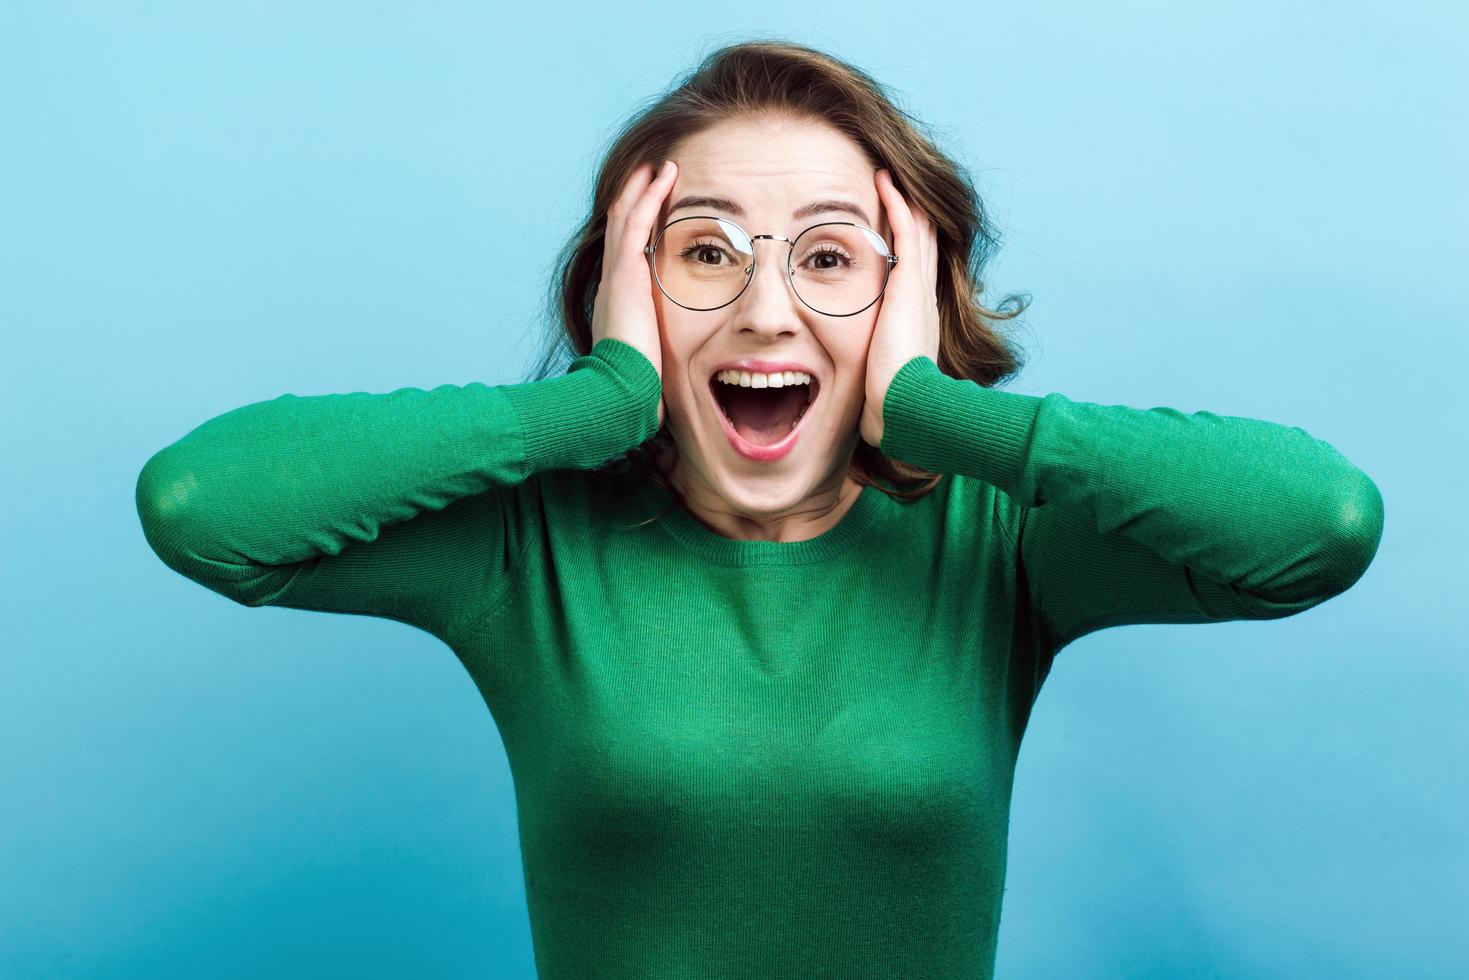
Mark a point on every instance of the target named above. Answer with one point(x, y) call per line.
point(763, 415)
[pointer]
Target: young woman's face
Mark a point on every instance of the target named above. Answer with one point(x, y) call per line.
point(770, 169)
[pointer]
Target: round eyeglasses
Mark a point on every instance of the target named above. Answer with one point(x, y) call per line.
point(837, 268)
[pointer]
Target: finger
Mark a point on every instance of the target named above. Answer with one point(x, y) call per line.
point(900, 216)
point(927, 234)
point(632, 188)
point(897, 207)
point(638, 228)
point(634, 226)
point(640, 218)
point(924, 230)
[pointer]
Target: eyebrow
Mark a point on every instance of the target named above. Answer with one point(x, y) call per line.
point(804, 211)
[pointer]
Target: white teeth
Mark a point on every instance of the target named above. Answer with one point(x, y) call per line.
point(779, 379)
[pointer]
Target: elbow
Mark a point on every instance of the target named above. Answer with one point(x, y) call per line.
point(179, 526)
point(1352, 530)
point(1330, 559)
point(1357, 523)
point(163, 498)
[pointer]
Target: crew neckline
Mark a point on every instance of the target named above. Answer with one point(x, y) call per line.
point(688, 530)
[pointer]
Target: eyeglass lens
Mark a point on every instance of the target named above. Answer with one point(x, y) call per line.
point(704, 262)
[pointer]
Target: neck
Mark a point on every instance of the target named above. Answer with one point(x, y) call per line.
point(811, 517)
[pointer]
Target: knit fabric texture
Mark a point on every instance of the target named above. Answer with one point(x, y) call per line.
point(755, 759)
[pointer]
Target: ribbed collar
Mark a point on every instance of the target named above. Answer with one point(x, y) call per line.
point(865, 513)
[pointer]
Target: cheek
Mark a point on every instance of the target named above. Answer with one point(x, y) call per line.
point(678, 343)
point(848, 352)
point(851, 355)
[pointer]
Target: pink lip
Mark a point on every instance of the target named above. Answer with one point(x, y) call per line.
point(750, 450)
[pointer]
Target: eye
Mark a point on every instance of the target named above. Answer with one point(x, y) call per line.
point(843, 260)
point(703, 251)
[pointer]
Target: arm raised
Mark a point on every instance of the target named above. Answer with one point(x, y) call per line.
point(405, 505)
point(1146, 515)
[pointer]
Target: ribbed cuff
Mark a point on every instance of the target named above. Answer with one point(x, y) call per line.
point(954, 425)
point(605, 404)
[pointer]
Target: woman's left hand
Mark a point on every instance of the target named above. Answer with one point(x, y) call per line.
point(908, 318)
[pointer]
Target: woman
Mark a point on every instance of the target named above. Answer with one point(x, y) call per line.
point(762, 646)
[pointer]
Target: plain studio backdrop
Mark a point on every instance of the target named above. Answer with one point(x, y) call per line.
point(1255, 209)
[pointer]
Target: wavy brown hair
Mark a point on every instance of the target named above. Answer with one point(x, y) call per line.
point(761, 77)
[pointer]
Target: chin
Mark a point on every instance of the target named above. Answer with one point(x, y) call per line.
point(762, 497)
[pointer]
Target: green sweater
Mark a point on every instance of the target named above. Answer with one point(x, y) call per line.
point(749, 758)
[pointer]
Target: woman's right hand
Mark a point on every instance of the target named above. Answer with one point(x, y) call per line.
point(623, 308)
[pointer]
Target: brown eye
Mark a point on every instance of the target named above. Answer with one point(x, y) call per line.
point(828, 259)
point(703, 251)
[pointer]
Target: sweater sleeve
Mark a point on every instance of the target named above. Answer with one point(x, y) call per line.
point(400, 505)
point(1132, 515)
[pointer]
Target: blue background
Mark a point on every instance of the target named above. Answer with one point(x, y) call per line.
point(1241, 208)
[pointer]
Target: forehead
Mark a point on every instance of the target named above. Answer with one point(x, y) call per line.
point(769, 143)
point(771, 166)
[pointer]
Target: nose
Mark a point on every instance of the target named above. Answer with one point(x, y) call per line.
point(768, 302)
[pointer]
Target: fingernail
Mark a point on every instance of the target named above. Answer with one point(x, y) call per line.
point(663, 167)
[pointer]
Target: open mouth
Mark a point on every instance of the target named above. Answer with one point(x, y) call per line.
point(764, 416)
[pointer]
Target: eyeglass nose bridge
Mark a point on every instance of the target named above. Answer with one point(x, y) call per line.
point(755, 261)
